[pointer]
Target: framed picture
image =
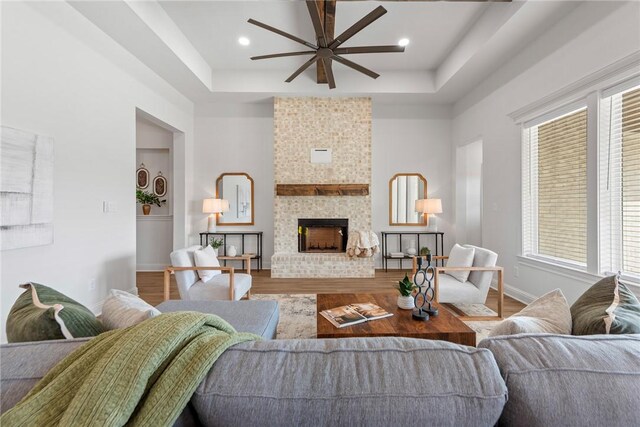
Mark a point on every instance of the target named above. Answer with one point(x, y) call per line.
point(160, 185)
point(142, 177)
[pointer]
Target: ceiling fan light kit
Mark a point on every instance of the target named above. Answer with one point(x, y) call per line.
point(328, 50)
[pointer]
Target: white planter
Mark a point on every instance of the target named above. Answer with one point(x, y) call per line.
point(215, 250)
point(405, 303)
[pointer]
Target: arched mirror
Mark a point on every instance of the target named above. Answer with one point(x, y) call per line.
point(404, 190)
point(237, 189)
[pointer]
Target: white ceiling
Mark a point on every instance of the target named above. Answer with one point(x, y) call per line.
point(214, 28)
point(193, 45)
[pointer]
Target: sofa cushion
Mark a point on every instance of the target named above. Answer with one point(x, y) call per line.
point(460, 257)
point(206, 258)
point(452, 291)
point(24, 364)
point(218, 287)
point(568, 380)
point(548, 314)
point(376, 381)
point(42, 313)
point(123, 309)
point(257, 317)
point(608, 307)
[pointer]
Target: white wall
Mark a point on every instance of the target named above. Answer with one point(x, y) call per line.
point(63, 77)
point(595, 35)
point(412, 138)
point(468, 193)
point(239, 138)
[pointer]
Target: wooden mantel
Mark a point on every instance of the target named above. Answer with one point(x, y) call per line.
point(322, 189)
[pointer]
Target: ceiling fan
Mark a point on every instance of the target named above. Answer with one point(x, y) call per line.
point(328, 50)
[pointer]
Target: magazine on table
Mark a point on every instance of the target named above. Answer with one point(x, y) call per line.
point(353, 314)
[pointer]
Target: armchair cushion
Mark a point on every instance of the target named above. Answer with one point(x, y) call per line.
point(218, 287)
point(206, 258)
point(451, 290)
point(460, 257)
point(187, 278)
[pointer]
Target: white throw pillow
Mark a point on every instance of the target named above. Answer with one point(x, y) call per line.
point(460, 257)
point(123, 309)
point(549, 314)
point(206, 258)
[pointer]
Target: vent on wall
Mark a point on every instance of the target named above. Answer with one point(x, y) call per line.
point(321, 155)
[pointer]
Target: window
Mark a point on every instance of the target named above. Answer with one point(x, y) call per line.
point(619, 182)
point(555, 188)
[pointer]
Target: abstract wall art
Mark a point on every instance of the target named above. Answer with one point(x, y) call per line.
point(26, 189)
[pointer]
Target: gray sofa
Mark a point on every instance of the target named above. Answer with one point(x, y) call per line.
point(520, 380)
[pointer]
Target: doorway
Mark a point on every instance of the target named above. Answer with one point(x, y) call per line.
point(469, 193)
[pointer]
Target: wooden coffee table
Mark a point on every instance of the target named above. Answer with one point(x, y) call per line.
point(445, 326)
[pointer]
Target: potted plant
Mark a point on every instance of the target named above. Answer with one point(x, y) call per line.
point(146, 199)
point(215, 244)
point(405, 299)
point(425, 251)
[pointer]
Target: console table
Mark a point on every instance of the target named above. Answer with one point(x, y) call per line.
point(204, 240)
point(438, 236)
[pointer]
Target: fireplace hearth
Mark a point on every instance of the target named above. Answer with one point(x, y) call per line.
point(320, 235)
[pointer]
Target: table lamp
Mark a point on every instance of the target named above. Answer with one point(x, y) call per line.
point(428, 207)
point(214, 207)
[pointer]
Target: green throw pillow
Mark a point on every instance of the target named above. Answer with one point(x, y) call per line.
point(42, 313)
point(608, 307)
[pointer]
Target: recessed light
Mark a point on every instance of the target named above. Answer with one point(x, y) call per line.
point(403, 42)
point(244, 41)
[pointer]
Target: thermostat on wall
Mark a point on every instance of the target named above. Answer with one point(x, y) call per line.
point(321, 155)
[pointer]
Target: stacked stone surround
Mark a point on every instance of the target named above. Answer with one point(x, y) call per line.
point(344, 126)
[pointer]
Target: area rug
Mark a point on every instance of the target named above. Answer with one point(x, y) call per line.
point(298, 315)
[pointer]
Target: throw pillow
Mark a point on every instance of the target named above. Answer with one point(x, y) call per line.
point(460, 257)
point(549, 314)
point(608, 307)
point(206, 258)
point(123, 309)
point(41, 313)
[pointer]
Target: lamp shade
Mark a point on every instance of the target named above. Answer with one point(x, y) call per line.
point(429, 206)
point(215, 205)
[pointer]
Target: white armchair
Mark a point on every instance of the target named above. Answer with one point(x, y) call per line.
point(226, 286)
point(449, 290)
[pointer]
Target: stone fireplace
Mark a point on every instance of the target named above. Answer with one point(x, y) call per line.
point(343, 126)
point(318, 235)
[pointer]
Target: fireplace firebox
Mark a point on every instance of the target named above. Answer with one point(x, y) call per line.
point(322, 235)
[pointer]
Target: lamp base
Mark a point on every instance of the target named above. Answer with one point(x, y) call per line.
point(211, 225)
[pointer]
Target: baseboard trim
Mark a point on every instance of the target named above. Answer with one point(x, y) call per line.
point(151, 267)
point(515, 293)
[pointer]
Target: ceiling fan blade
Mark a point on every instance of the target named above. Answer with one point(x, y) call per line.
point(317, 22)
point(326, 62)
point(282, 33)
point(358, 26)
point(367, 49)
point(280, 55)
point(302, 68)
point(355, 66)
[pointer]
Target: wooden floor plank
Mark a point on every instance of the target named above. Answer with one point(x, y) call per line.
point(150, 287)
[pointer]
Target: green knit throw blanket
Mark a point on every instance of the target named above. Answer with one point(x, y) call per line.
point(143, 375)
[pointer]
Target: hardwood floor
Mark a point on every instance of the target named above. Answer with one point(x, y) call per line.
point(150, 287)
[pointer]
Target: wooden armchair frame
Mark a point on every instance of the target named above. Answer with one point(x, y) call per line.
point(230, 270)
point(436, 286)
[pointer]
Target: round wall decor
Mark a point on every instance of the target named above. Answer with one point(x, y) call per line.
point(160, 185)
point(142, 177)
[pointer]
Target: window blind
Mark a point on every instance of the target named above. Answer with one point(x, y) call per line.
point(555, 188)
point(619, 182)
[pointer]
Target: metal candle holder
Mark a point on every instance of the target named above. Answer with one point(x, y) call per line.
point(426, 293)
